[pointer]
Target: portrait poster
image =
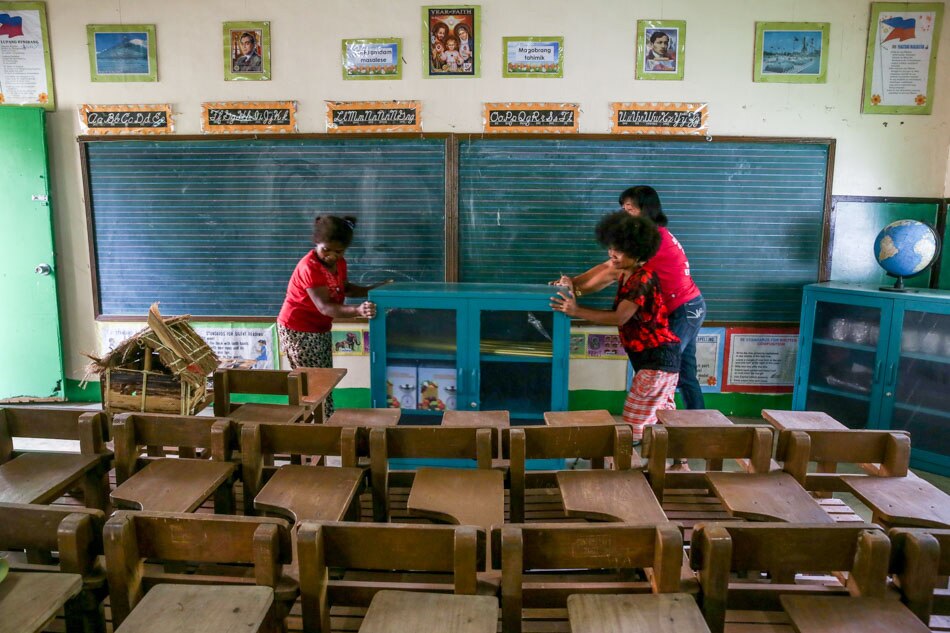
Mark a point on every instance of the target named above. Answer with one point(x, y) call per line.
point(450, 41)
point(249, 116)
point(901, 61)
point(372, 59)
point(532, 57)
point(760, 360)
point(659, 118)
point(110, 120)
point(122, 52)
point(661, 49)
point(26, 75)
point(521, 118)
point(247, 51)
point(791, 52)
point(344, 117)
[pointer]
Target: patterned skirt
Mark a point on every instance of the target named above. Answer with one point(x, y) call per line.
point(308, 349)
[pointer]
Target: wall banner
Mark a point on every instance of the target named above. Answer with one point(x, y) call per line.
point(125, 119)
point(249, 116)
point(374, 116)
point(518, 118)
point(659, 118)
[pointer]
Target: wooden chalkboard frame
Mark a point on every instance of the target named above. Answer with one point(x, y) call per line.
point(451, 272)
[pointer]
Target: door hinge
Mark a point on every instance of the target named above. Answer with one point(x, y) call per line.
point(40, 198)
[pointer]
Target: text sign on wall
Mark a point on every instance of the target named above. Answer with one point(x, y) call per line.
point(548, 118)
point(374, 116)
point(246, 116)
point(125, 119)
point(760, 360)
point(659, 118)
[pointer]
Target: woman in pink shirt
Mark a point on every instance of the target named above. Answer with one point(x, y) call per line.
point(682, 297)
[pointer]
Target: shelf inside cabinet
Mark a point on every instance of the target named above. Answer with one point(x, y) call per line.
point(840, 392)
point(845, 345)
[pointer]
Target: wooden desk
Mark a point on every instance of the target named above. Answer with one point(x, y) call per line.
point(365, 418)
point(609, 495)
point(635, 613)
point(493, 419)
point(310, 493)
point(902, 501)
point(774, 496)
point(692, 417)
point(29, 600)
point(220, 608)
point(460, 496)
point(802, 420)
point(256, 413)
point(596, 417)
point(844, 614)
point(399, 611)
point(172, 485)
point(320, 384)
point(37, 477)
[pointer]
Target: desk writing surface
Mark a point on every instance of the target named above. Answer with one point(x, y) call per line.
point(170, 608)
point(405, 611)
point(846, 614)
point(368, 418)
point(265, 413)
point(310, 493)
point(609, 495)
point(496, 419)
point(29, 600)
point(635, 613)
point(460, 496)
point(37, 477)
point(902, 501)
point(692, 417)
point(320, 382)
point(802, 420)
point(172, 485)
point(595, 417)
point(773, 496)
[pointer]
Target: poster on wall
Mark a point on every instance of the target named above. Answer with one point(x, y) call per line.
point(379, 58)
point(760, 360)
point(901, 60)
point(661, 49)
point(709, 354)
point(249, 116)
point(125, 119)
point(345, 117)
point(791, 52)
point(247, 51)
point(659, 118)
point(238, 345)
point(520, 118)
point(26, 75)
point(450, 35)
point(350, 342)
point(122, 52)
point(532, 57)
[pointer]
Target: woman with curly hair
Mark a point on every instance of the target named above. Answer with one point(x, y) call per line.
point(640, 315)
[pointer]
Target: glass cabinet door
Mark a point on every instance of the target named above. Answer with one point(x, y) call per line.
point(917, 381)
point(421, 347)
point(515, 363)
point(846, 358)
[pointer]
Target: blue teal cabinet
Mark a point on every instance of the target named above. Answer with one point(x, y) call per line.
point(439, 346)
point(874, 359)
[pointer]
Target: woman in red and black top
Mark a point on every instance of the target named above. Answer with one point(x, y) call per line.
point(640, 314)
point(315, 295)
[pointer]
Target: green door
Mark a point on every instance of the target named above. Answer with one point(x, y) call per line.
point(32, 361)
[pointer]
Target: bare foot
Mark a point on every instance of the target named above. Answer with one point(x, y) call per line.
point(679, 467)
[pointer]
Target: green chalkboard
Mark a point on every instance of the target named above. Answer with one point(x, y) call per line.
point(748, 212)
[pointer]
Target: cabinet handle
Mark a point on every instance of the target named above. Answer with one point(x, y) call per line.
point(877, 373)
point(891, 374)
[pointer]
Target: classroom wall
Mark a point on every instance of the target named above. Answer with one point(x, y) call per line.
point(876, 155)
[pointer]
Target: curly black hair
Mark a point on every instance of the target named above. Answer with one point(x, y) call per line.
point(636, 237)
point(332, 228)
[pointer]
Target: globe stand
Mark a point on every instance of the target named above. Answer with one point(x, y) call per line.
point(898, 285)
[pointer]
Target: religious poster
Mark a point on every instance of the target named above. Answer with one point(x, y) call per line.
point(372, 59)
point(532, 57)
point(450, 41)
point(659, 118)
point(237, 345)
point(760, 360)
point(249, 116)
point(125, 119)
point(26, 76)
point(520, 118)
point(709, 348)
point(374, 116)
point(901, 60)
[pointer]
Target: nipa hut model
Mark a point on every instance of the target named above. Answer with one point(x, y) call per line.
point(162, 369)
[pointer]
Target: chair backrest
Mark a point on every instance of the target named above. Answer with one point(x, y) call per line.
point(560, 442)
point(798, 448)
point(436, 442)
point(133, 432)
point(90, 428)
point(386, 548)
point(747, 441)
point(919, 558)
point(262, 441)
point(782, 549)
point(526, 550)
point(275, 382)
point(131, 538)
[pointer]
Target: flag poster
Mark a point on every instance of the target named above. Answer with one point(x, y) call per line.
point(26, 76)
point(901, 58)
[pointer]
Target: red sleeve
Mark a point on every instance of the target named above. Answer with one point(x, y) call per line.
point(311, 276)
point(638, 289)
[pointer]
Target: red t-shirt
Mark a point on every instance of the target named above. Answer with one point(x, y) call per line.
point(298, 312)
point(672, 267)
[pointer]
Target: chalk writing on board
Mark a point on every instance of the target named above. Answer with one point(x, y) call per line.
point(531, 118)
point(659, 118)
point(96, 119)
point(249, 116)
point(375, 116)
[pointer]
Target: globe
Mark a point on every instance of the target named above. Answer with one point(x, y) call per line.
point(906, 248)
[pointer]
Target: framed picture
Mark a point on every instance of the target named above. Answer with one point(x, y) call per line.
point(661, 49)
point(450, 41)
point(25, 36)
point(791, 52)
point(532, 57)
point(247, 51)
point(372, 59)
point(901, 58)
point(122, 52)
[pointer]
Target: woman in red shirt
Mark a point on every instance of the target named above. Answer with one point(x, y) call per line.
point(315, 295)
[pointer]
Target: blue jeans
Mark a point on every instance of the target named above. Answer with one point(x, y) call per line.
point(685, 322)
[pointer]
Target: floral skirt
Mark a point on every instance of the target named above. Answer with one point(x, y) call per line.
point(308, 349)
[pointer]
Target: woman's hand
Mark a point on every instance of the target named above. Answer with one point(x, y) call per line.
point(563, 280)
point(366, 309)
point(565, 302)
